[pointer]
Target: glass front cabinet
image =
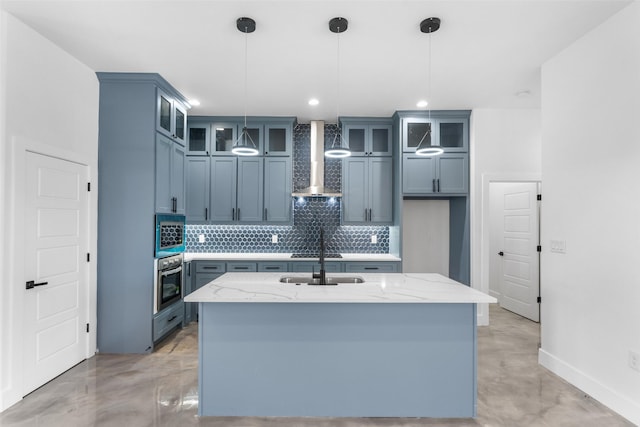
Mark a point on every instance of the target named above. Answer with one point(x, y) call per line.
point(449, 133)
point(228, 189)
point(171, 117)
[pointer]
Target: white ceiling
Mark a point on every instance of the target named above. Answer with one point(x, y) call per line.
point(483, 55)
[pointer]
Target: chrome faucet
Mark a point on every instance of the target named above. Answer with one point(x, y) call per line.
point(322, 275)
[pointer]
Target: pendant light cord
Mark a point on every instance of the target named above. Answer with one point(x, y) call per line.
point(246, 44)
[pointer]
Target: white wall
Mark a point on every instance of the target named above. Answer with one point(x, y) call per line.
point(591, 157)
point(52, 107)
point(505, 146)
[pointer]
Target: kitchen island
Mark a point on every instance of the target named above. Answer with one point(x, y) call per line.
point(397, 345)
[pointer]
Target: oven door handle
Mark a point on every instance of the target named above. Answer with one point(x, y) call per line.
point(170, 272)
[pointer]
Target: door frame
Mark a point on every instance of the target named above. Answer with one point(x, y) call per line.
point(11, 367)
point(481, 263)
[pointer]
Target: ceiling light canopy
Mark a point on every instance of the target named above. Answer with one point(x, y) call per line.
point(244, 145)
point(339, 148)
point(425, 147)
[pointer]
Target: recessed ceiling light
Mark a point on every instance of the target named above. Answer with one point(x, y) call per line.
point(422, 103)
point(314, 101)
point(194, 102)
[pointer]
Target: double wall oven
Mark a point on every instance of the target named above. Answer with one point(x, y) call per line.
point(170, 244)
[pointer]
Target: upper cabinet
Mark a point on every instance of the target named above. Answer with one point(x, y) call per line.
point(239, 189)
point(367, 175)
point(215, 136)
point(444, 175)
point(448, 130)
point(171, 117)
point(368, 136)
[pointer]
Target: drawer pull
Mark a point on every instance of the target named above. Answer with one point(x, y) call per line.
point(371, 268)
point(171, 319)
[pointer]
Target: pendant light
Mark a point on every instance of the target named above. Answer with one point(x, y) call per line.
point(244, 145)
point(338, 148)
point(424, 148)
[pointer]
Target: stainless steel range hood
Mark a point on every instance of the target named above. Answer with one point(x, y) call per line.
point(316, 186)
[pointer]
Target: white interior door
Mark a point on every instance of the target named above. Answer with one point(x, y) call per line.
point(56, 230)
point(520, 278)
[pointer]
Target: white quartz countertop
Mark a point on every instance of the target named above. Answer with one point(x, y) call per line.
point(190, 256)
point(377, 288)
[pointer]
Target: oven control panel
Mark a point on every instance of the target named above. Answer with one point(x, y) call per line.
point(170, 262)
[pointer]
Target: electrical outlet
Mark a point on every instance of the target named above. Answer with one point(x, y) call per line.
point(274, 238)
point(374, 239)
point(200, 238)
point(634, 360)
point(559, 246)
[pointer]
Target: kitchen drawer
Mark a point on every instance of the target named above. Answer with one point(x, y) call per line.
point(273, 266)
point(371, 267)
point(210, 267)
point(309, 266)
point(239, 267)
point(167, 319)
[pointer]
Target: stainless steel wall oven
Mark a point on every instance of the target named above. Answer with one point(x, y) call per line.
point(169, 281)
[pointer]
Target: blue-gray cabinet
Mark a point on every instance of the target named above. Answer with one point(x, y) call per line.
point(236, 189)
point(277, 190)
point(366, 138)
point(171, 116)
point(371, 267)
point(446, 174)
point(170, 175)
point(448, 130)
point(197, 188)
point(367, 190)
point(198, 137)
point(367, 176)
point(245, 189)
point(130, 147)
point(199, 273)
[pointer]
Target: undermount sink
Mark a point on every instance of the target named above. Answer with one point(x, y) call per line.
point(331, 280)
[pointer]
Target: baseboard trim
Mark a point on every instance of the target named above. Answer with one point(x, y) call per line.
point(602, 393)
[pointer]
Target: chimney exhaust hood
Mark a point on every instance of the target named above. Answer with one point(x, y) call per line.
point(316, 181)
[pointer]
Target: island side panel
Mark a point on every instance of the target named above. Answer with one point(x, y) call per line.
point(337, 360)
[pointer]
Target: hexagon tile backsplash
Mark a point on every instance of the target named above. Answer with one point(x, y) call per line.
point(309, 216)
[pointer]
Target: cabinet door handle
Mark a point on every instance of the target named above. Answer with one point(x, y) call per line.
point(438, 185)
point(233, 214)
point(434, 185)
point(271, 267)
point(371, 268)
point(172, 318)
point(206, 214)
point(370, 214)
point(174, 204)
point(209, 267)
point(240, 267)
point(265, 214)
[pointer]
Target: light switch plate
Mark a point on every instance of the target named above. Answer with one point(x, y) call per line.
point(200, 238)
point(559, 246)
point(374, 239)
point(274, 238)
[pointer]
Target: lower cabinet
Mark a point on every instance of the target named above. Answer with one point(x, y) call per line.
point(273, 266)
point(314, 266)
point(167, 320)
point(372, 267)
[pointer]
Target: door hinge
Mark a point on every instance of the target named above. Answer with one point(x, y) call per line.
point(88, 186)
point(87, 328)
point(539, 248)
point(539, 197)
point(539, 300)
point(88, 257)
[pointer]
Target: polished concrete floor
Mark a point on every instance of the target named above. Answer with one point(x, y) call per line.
point(161, 390)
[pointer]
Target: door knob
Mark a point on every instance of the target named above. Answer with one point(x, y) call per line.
point(501, 253)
